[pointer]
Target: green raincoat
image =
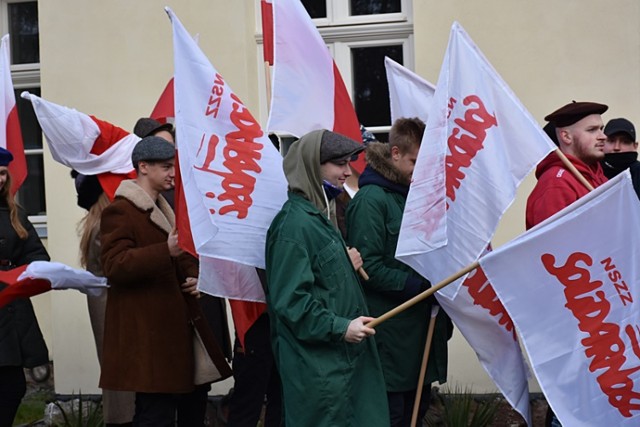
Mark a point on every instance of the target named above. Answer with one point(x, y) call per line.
point(312, 295)
point(373, 225)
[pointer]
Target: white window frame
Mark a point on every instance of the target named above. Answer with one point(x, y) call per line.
point(338, 14)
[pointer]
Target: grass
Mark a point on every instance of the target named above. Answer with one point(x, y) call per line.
point(32, 407)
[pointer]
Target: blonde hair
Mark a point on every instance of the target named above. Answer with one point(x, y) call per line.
point(89, 224)
point(13, 206)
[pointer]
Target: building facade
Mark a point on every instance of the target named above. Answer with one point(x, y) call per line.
point(113, 59)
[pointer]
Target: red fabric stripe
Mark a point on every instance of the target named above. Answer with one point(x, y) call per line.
point(23, 289)
point(165, 107)
point(346, 121)
point(18, 167)
point(267, 31)
point(185, 238)
point(110, 182)
point(10, 277)
point(109, 136)
point(26, 288)
point(245, 313)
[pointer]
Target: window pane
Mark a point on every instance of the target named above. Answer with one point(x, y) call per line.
point(31, 132)
point(374, 7)
point(315, 8)
point(371, 91)
point(31, 194)
point(23, 30)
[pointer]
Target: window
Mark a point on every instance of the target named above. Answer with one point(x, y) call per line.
point(20, 20)
point(360, 33)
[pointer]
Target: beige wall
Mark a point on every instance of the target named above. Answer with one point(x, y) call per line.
point(113, 59)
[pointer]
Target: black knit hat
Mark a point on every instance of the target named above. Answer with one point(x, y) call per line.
point(88, 188)
point(335, 147)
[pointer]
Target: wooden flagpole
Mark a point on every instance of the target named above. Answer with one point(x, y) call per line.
point(567, 163)
point(423, 368)
point(424, 295)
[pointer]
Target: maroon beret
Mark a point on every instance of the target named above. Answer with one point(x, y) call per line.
point(574, 111)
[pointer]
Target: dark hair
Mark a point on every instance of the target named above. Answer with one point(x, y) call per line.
point(406, 133)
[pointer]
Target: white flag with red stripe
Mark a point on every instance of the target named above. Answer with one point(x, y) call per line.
point(308, 92)
point(232, 174)
point(39, 277)
point(85, 143)
point(10, 133)
point(572, 287)
point(479, 144)
point(476, 310)
point(409, 94)
point(82, 142)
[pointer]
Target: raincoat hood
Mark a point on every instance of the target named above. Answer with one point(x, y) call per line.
point(302, 170)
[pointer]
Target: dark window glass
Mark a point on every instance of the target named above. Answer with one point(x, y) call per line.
point(315, 8)
point(374, 7)
point(382, 136)
point(371, 91)
point(31, 194)
point(23, 31)
point(286, 142)
point(31, 132)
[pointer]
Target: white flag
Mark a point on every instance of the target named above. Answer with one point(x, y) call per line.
point(232, 174)
point(308, 91)
point(479, 144)
point(572, 287)
point(82, 142)
point(409, 94)
point(476, 310)
point(62, 276)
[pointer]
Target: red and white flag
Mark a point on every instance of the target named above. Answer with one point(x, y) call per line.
point(572, 287)
point(476, 310)
point(231, 173)
point(308, 92)
point(409, 94)
point(39, 277)
point(164, 111)
point(479, 144)
point(85, 143)
point(10, 133)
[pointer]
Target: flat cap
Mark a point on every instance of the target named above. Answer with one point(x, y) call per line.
point(574, 111)
point(147, 126)
point(5, 157)
point(152, 148)
point(335, 147)
point(620, 126)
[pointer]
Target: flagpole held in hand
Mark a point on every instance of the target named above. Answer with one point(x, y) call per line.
point(424, 295)
point(423, 368)
point(567, 163)
point(360, 270)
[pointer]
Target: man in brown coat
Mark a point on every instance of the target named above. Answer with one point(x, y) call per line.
point(148, 339)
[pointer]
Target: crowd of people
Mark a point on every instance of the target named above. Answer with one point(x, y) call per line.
point(311, 356)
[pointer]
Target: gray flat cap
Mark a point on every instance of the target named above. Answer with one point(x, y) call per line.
point(335, 147)
point(152, 148)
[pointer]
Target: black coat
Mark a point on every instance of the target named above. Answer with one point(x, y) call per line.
point(21, 342)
